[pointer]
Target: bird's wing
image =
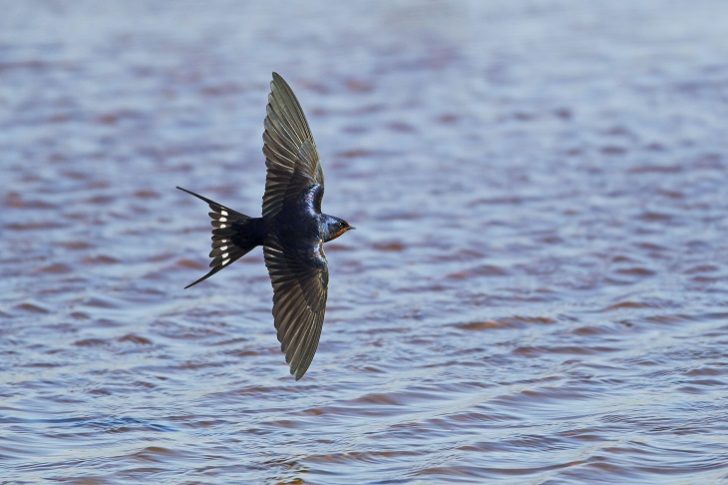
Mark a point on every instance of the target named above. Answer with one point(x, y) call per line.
point(291, 158)
point(300, 280)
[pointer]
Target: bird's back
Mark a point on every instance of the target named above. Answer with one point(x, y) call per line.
point(299, 221)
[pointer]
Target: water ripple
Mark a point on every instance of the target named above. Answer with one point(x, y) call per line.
point(536, 291)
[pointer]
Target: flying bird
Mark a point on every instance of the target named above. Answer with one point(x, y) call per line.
point(292, 229)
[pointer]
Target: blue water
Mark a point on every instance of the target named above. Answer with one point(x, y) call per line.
point(537, 290)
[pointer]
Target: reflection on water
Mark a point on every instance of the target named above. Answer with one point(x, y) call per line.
point(537, 290)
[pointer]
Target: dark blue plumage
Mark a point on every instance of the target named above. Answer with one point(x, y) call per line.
point(292, 229)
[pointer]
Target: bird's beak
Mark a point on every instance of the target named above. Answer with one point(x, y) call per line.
point(351, 227)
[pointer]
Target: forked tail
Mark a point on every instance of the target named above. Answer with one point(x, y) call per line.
point(233, 235)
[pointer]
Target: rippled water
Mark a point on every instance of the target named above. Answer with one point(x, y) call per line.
point(537, 292)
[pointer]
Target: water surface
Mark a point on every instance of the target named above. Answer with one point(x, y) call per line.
point(537, 291)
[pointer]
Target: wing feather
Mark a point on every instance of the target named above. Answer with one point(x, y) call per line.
point(291, 158)
point(300, 288)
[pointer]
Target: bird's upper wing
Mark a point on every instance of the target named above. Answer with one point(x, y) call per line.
point(290, 153)
point(300, 278)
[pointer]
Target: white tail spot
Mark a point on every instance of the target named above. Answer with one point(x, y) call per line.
point(223, 213)
point(223, 248)
point(225, 255)
point(225, 261)
point(223, 226)
point(223, 219)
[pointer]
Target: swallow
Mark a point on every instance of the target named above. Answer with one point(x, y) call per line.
point(292, 229)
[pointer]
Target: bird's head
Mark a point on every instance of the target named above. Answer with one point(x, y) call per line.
point(335, 227)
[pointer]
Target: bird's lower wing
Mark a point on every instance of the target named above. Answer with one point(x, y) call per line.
point(300, 280)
